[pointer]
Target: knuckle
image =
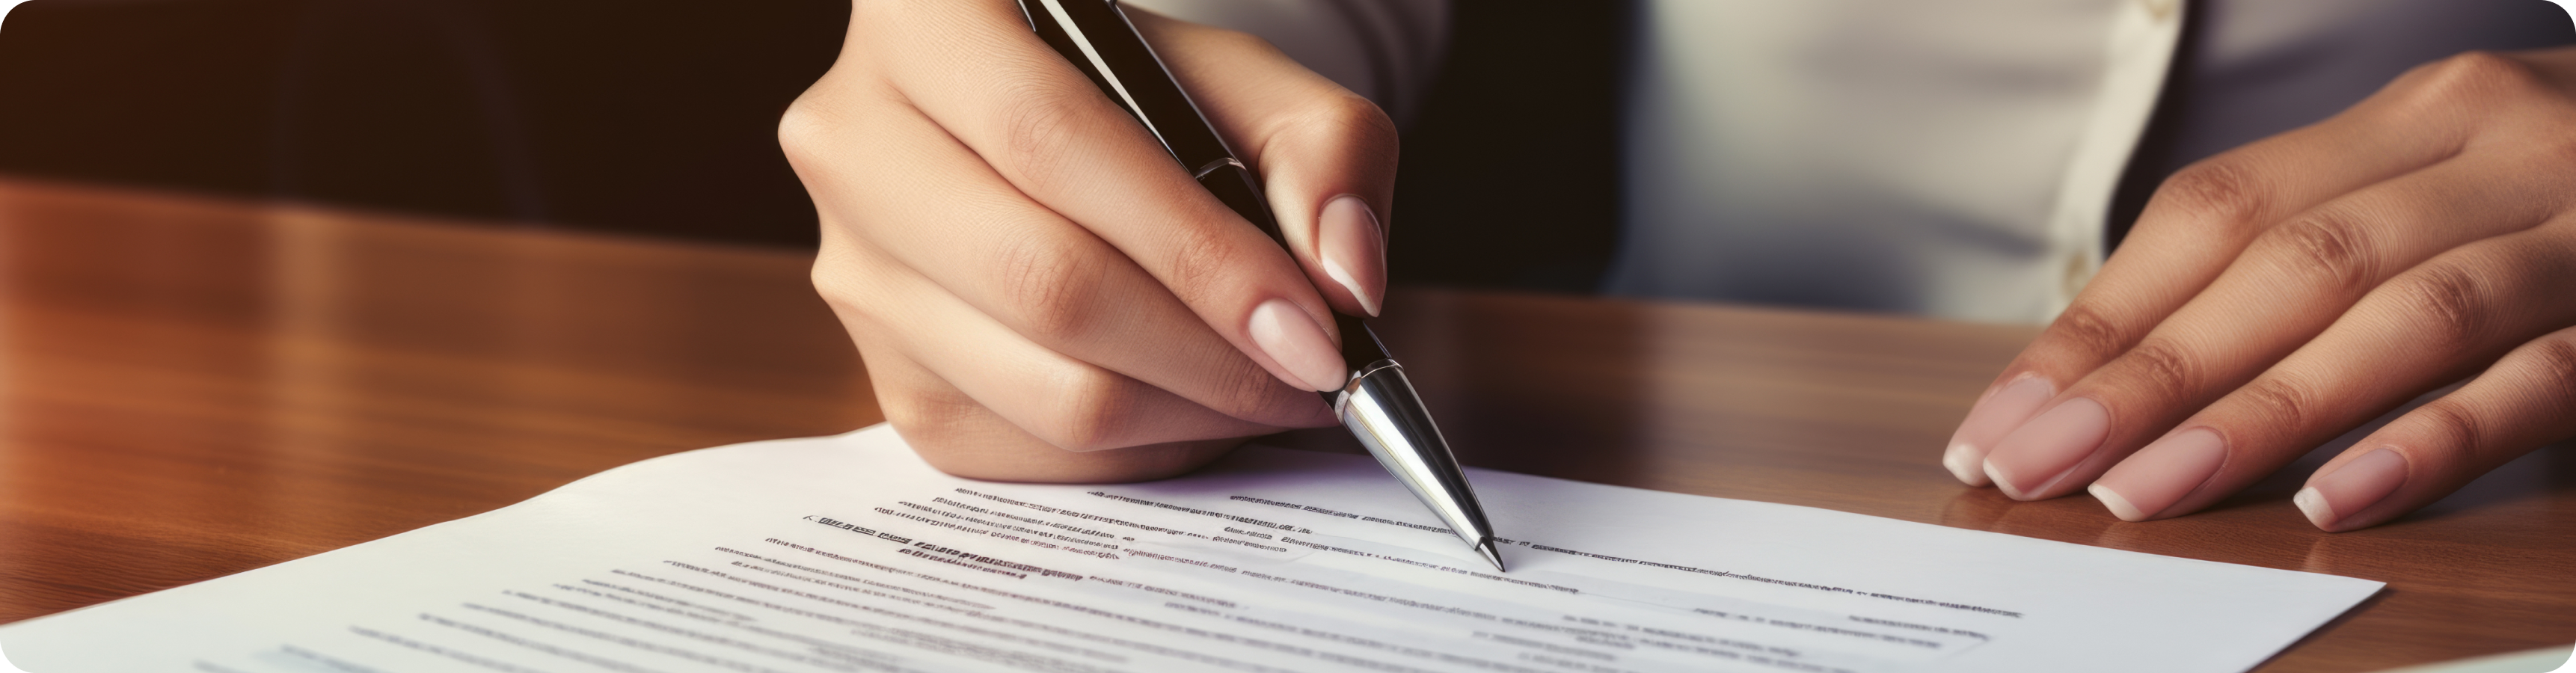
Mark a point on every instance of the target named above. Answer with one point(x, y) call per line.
point(803, 126)
point(2219, 191)
point(2451, 304)
point(1199, 257)
point(2475, 76)
point(2550, 364)
point(1047, 288)
point(2556, 359)
point(2472, 85)
point(1346, 115)
point(1091, 410)
point(2163, 368)
point(912, 415)
point(2280, 402)
point(809, 131)
point(835, 276)
point(835, 106)
point(927, 417)
point(2457, 433)
point(1247, 392)
point(2327, 244)
point(1039, 122)
point(1342, 120)
point(839, 294)
point(2084, 328)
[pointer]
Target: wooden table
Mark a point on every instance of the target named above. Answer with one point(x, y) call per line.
point(192, 387)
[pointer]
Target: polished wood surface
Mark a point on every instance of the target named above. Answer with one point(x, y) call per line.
point(191, 388)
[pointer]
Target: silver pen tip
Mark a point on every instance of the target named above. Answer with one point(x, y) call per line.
point(1491, 555)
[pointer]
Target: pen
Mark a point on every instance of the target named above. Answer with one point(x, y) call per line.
point(1377, 402)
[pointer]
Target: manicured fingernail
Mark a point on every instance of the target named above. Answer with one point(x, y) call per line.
point(1293, 340)
point(1353, 249)
point(1989, 421)
point(2111, 500)
point(2356, 486)
point(2148, 483)
point(2040, 452)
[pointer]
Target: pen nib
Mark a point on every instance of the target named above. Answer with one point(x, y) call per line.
point(1486, 548)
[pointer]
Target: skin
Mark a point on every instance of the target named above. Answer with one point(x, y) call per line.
point(2278, 295)
point(1041, 294)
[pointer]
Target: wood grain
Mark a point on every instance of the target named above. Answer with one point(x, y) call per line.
point(191, 388)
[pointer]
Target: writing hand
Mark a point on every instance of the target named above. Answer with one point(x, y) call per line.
point(1040, 293)
point(2283, 293)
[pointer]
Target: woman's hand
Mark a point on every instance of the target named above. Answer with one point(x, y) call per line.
point(1039, 291)
point(2278, 295)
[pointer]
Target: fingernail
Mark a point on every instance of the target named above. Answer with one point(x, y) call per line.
point(1293, 340)
point(2354, 487)
point(1353, 249)
point(2040, 452)
point(1989, 421)
point(2160, 475)
point(2111, 500)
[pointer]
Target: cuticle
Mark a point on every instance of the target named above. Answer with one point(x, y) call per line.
point(2025, 376)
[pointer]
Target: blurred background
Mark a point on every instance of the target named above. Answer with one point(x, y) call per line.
point(657, 117)
point(645, 117)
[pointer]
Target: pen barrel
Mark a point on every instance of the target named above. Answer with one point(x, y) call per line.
point(1096, 37)
point(1380, 408)
point(1360, 345)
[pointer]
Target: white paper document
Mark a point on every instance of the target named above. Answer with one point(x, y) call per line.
point(849, 554)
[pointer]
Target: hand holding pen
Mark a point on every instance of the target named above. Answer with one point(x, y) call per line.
point(1039, 291)
point(1375, 400)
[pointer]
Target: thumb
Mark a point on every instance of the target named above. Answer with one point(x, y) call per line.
point(1326, 156)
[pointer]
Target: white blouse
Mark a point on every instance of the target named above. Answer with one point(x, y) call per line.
point(1952, 159)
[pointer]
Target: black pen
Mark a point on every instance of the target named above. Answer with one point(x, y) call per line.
point(1377, 403)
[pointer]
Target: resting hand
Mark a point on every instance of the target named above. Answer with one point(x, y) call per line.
point(2283, 293)
point(1039, 291)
